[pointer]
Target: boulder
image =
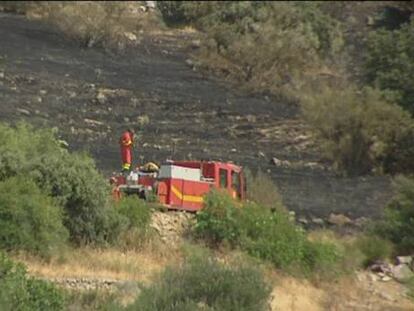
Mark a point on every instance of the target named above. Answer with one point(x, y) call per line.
point(402, 272)
point(196, 44)
point(303, 220)
point(405, 260)
point(23, 111)
point(338, 220)
point(318, 221)
point(130, 36)
point(101, 97)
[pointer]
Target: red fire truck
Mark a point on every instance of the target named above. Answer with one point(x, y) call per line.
point(182, 184)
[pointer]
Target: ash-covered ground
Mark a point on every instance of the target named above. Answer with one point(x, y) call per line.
point(91, 96)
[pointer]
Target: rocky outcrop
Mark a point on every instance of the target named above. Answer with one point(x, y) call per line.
point(172, 226)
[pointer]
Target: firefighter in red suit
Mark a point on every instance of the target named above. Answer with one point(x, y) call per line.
point(126, 142)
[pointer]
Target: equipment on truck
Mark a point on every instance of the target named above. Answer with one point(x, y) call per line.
point(181, 184)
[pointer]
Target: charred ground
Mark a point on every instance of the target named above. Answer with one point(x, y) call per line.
point(91, 96)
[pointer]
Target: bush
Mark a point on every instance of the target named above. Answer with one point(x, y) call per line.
point(263, 233)
point(293, 38)
point(218, 220)
point(359, 131)
point(107, 25)
point(72, 179)
point(262, 190)
point(136, 211)
point(390, 62)
point(272, 236)
point(93, 300)
point(398, 223)
point(29, 219)
point(134, 217)
point(20, 293)
point(374, 248)
point(205, 284)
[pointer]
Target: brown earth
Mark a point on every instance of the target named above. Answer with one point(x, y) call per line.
point(91, 96)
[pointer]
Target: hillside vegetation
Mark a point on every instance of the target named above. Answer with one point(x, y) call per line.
point(54, 202)
point(300, 51)
point(323, 56)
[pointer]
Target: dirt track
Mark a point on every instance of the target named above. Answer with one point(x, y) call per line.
point(92, 96)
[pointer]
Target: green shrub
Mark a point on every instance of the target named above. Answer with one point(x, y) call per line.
point(217, 221)
point(263, 233)
point(359, 131)
point(21, 293)
point(132, 229)
point(262, 190)
point(398, 222)
point(205, 284)
point(374, 248)
point(390, 62)
point(271, 236)
point(29, 219)
point(93, 300)
point(136, 211)
point(293, 38)
point(72, 179)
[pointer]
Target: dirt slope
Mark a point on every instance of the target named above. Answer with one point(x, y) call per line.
point(92, 96)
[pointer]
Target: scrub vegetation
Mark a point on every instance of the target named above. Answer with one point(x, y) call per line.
point(52, 200)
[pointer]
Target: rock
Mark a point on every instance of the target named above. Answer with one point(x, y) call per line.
point(150, 4)
point(101, 98)
point(361, 222)
point(261, 154)
point(38, 99)
point(234, 150)
point(276, 161)
point(406, 260)
point(143, 120)
point(23, 111)
point(402, 272)
point(196, 44)
point(130, 36)
point(303, 220)
point(372, 277)
point(312, 165)
point(381, 267)
point(93, 122)
point(318, 221)
point(126, 119)
point(386, 278)
point(1, 75)
point(251, 118)
point(370, 21)
point(280, 163)
point(43, 92)
point(338, 220)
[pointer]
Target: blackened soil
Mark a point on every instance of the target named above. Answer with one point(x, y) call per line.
point(91, 96)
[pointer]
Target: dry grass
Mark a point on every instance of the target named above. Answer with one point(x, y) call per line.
point(352, 292)
point(100, 264)
point(111, 24)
